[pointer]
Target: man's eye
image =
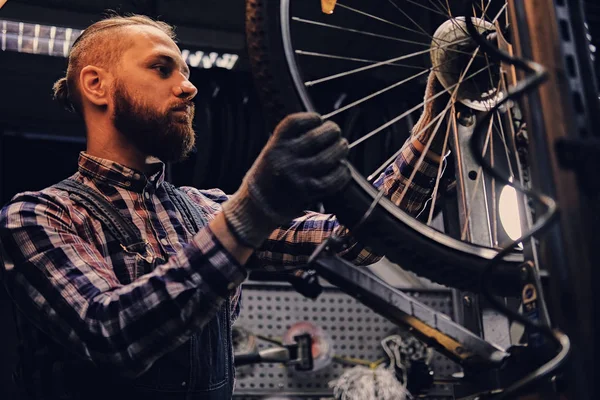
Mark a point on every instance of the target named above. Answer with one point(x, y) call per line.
point(162, 70)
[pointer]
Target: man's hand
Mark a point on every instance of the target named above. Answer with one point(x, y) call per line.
point(431, 110)
point(300, 164)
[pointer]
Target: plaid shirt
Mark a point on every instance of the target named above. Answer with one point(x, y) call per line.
point(58, 265)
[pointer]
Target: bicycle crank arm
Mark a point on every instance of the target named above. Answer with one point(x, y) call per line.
point(433, 328)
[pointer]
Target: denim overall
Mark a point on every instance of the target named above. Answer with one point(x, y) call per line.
point(201, 368)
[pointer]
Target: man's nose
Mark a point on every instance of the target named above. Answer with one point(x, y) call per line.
point(185, 90)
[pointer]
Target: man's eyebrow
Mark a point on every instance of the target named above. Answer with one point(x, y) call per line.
point(170, 60)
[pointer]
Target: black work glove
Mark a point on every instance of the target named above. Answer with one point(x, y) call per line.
point(300, 164)
point(431, 110)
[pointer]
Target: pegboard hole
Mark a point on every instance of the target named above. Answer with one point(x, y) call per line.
point(577, 102)
point(571, 70)
point(564, 30)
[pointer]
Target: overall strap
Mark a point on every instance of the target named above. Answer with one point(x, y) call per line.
point(192, 213)
point(122, 229)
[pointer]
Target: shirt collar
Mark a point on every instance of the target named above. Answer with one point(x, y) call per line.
point(116, 174)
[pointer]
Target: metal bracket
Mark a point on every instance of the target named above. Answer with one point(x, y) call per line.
point(435, 329)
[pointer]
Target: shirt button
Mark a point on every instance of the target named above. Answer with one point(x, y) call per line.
point(183, 383)
point(147, 195)
point(164, 241)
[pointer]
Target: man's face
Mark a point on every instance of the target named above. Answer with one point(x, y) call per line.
point(148, 107)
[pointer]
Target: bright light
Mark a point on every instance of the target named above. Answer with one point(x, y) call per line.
point(509, 212)
point(24, 37)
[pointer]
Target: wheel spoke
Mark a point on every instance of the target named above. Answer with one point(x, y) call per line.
point(387, 162)
point(422, 6)
point(494, 206)
point(503, 140)
point(463, 235)
point(416, 24)
point(404, 114)
point(423, 154)
point(361, 32)
point(439, 174)
point(362, 100)
point(379, 64)
point(372, 95)
point(380, 19)
point(363, 60)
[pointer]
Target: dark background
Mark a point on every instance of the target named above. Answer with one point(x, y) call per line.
point(40, 142)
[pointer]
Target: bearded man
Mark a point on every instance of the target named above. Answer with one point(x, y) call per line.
point(127, 286)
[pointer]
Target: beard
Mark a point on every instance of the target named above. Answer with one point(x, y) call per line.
point(167, 136)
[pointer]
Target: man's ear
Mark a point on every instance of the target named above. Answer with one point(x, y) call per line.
point(94, 83)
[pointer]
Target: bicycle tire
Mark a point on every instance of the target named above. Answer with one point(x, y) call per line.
point(388, 231)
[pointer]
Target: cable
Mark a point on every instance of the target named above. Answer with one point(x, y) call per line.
point(539, 75)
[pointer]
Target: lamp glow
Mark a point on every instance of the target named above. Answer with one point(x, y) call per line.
point(508, 209)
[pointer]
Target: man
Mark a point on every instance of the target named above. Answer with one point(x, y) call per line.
point(152, 318)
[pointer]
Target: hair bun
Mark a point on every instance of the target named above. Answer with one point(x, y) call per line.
point(61, 93)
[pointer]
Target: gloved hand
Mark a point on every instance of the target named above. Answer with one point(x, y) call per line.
point(431, 110)
point(300, 164)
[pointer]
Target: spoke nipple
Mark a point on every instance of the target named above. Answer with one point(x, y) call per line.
point(465, 117)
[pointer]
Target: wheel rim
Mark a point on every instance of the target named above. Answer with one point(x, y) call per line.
point(404, 218)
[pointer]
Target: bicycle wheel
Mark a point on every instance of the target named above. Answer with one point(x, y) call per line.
point(296, 49)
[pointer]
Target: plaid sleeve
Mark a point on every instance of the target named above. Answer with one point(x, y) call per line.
point(291, 245)
point(210, 201)
point(70, 292)
point(396, 178)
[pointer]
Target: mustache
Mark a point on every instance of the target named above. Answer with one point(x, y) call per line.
point(183, 106)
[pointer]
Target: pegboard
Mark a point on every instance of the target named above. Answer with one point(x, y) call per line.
point(356, 331)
